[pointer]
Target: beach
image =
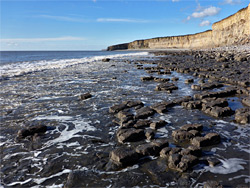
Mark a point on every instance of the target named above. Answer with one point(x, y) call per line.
point(166, 118)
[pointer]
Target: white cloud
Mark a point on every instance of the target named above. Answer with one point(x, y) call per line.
point(16, 40)
point(62, 18)
point(231, 2)
point(175, 0)
point(94, 1)
point(121, 20)
point(205, 23)
point(211, 11)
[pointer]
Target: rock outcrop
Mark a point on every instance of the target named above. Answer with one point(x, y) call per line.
point(233, 30)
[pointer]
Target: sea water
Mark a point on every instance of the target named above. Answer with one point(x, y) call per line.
point(43, 88)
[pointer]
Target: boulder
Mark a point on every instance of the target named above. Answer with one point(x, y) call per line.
point(192, 150)
point(142, 124)
point(246, 101)
point(147, 78)
point(174, 79)
point(133, 103)
point(162, 107)
point(242, 115)
point(158, 124)
point(117, 108)
point(183, 99)
point(150, 134)
point(180, 135)
point(189, 127)
point(219, 111)
point(166, 87)
point(85, 96)
point(209, 140)
point(144, 112)
point(212, 184)
point(124, 156)
point(130, 135)
point(188, 81)
point(192, 105)
point(187, 162)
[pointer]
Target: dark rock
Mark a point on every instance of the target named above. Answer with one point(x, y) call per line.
point(133, 103)
point(144, 112)
point(130, 135)
point(142, 124)
point(165, 152)
point(85, 96)
point(117, 108)
point(192, 150)
point(162, 107)
point(174, 160)
point(106, 59)
point(212, 161)
point(124, 156)
point(180, 135)
point(161, 143)
point(147, 149)
point(158, 124)
point(242, 115)
point(124, 116)
point(161, 79)
point(148, 78)
point(166, 87)
point(174, 79)
point(39, 129)
point(183, 99)
point(189, 127)
point(187, 161)
point(188, 81)
point(192, 105)
point(219, 111)
point(209, 140)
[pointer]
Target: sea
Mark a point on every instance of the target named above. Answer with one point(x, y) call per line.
point(43, 87)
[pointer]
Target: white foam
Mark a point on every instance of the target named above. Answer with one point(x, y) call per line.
point(228, 166)
point(15, 69)
point(41, 180)
point(19, 182)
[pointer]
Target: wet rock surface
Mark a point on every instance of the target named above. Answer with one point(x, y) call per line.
point(162, 121)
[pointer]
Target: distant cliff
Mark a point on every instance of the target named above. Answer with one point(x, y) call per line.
point(232, 30)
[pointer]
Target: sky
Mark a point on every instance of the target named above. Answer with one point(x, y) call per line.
point(97, 24)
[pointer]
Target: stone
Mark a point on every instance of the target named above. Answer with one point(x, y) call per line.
point(174, 79)
point(117, 108)
point(212, 161)
point(187, 162)
point(166, 87)
point(162, 107)
point(180, 135)
point(147, 149)
point(189, 127)
point(39, 129)
point(174, 160)
point(124, 156)
point(161, 79)
point(106, 60)
point(246, 101)
point(130, 135)
point(85, 96)
point(192, 105)
point(161, 143)
point(142, 124)
point(242, 115)
point(147, 78)
point(195, 87)
point(165, 152)
point(144, 112)
point(219, 111)
point(192, 150)
point(158, 124)
point(183, 99)
point(188, 81)
point(133, 103)
point(150, 134)
point(209, 140)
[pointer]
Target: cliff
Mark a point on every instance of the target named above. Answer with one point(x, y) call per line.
point(233, 30)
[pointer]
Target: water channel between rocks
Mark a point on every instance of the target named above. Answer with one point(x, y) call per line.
point(80, 133)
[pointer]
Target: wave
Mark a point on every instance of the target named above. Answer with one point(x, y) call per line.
point(21, 68)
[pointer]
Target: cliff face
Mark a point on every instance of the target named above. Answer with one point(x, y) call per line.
point(232, 30)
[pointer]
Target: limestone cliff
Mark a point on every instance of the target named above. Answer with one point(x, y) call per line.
point(232, 30)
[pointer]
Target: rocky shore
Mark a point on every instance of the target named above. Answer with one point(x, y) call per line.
point(177, 154)
point(134, 143)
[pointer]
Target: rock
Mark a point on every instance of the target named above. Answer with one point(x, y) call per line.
point(106, 60)
point(130, 135)
point(187, 161)
point(219, 111)
point(162, 107)
point(174, 79)
point(189, 127)
point(196, 87)
point(133, 103)
point(148, 149)
point(209, 140)
point(85, 96)
point(180, 135)
point(147, 78)
point(192, 105)
point(188, 81)
point(150, 134)
point(39, 129)
point(174, 160)
point(166, 87)
point(117, 108)
point(161, 143)
point(142, 124)
point(212, 184)
point(183, 99)
point(192, 150)
point(212, 161)
point(242, 115)
point(161, 79)
point(124, 116)
point(158, 124)
point(246, 101)
point(144, 112)
point(165, 152)
point(212, 102)
point(124, 156)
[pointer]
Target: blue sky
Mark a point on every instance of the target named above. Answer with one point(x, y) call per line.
point(96, 24)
